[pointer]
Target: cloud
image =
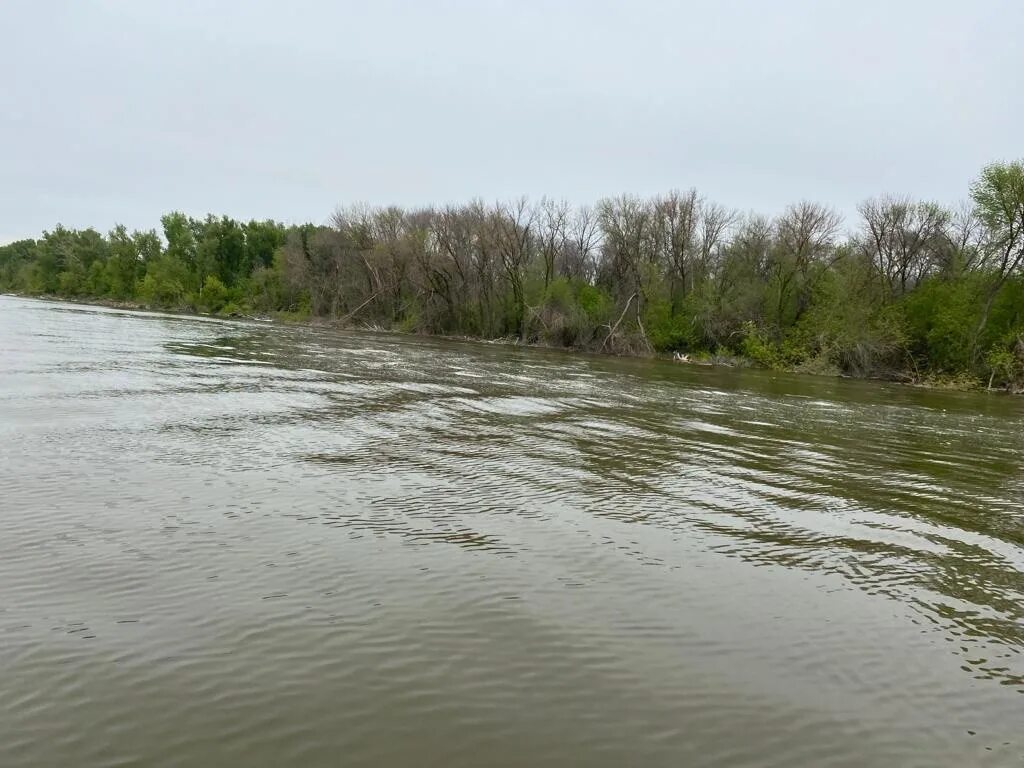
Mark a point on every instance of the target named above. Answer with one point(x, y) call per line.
point(133, 109)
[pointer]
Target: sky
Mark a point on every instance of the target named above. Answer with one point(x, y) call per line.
point(117, 111)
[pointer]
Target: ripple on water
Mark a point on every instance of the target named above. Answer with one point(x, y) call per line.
point(222, 543)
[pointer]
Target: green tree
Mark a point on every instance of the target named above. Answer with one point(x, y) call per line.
point(998, 195)
point(15, 259)
point(124, 265)
point(166, 281)
point(262, 240)
point(180, 236)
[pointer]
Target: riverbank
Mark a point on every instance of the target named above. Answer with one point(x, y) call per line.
point(962, 383)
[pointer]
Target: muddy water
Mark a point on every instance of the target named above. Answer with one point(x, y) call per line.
point(236, 544)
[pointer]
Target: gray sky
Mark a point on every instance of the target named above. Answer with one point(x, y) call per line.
point(121, 110)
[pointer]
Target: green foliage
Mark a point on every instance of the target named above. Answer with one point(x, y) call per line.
point(214, 294)
point(760, 347)
point(998, 194)
point(124, 265)
point(72, 281)
point(848, 325)
point(916, 293)
point(36, 279)
point(1006, 316)
point(1004, 360)
point(262, 241)
point(96, 283)
point(560, 295)
point(166, 281)
point(180, 237)
point(941, 318)
point(595, 302)
point(16, 259)
point(265, 292)
point(669, 330)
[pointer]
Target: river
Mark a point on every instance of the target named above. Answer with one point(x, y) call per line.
point(242, 544)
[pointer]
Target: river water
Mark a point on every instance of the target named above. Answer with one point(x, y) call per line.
point(240, 544)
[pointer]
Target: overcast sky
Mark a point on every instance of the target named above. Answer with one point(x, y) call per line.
point(121, 110)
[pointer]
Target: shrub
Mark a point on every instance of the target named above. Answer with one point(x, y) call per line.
point(758, 347)
point(214, 294)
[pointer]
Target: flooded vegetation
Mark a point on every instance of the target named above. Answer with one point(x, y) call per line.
point(240, 544)
point(909, 291)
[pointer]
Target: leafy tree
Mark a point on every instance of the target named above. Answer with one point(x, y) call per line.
point(124, 265)
point(214, 294)
point(999, 196)
point(15, 259)
point(166, 281)
point(916, 291)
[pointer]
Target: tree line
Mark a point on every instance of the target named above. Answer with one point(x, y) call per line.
point(913, 290)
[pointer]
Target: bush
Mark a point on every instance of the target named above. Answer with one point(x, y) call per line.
point(596, 303)
point(214, 294)
point(942, 317)
point(1005, 363)
point(166, 281)
point(670, 330)
point(71, 282)
point(758, 347)
point(96, 283)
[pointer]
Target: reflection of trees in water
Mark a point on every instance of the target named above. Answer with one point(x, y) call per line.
point(799, 474)
point(882, 483)
point(249, 346)
point(967, 594)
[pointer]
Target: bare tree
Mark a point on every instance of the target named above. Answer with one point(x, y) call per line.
point(745, 270)
point(486, 262)
point(514, 223)
point(553, 233)
point(964, 235)
point(906, 239)
point(626, 228)
point(628, 244)
point(804, 237)
point(715, 221)
point(389, 257)
point(584, 238)
point(674, 231)
point(443, 262)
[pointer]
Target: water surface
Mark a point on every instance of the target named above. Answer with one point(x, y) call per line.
point(238, 544)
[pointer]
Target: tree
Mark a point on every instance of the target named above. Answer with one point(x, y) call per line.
point(448, 263)
point(513, 229)
point(584, 239)
point(906, 240)
point(166, 281)
point(917, 290)
point(675, 222)
point(744, 276)
point(629, 257)
point(125, 263)
point(553, 234)
point(180, 236)
point(962, 253)
point(15, 259)
point(715, 221)
point(262, 239)
point(804, 238)
point(998, 195)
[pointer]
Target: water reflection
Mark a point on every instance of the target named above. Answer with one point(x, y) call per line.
point(826, 480)
point(490, 550)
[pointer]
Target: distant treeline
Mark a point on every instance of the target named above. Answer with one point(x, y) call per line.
point(912, 290)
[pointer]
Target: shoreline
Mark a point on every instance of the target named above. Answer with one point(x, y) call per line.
point(705, 360)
